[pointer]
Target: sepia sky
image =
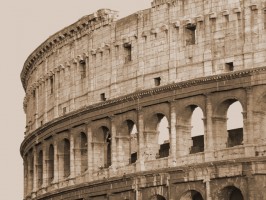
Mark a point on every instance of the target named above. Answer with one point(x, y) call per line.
point(24, 26)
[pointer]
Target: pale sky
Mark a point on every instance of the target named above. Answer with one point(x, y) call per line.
point(25, 24)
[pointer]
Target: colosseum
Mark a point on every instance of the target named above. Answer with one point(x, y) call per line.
point(110, 104)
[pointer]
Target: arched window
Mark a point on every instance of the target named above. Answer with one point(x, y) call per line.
point(235, 124)
point(40, 169)
point(108, 147)
point(197, 131)
point(51, 164)
point(163, 137)
point(127, 145)
point(192, 195)
point(83, 152)
point(102, 145)
point(157, 197)
point(230, 193)
point(66, 154)
point(133, 144)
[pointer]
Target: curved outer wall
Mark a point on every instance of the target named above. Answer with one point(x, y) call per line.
point(88, 84)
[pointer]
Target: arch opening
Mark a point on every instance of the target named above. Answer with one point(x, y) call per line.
point(234, 124)
point(83, 152)
point(158, 197)
point(64, 158)
point(231, 193)
point(127, 143)
point(40, 169)
point(163, 136)
point(51, 164)
point(192, 195)
point(197, 130)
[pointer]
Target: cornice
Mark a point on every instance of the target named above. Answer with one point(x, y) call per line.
point(139, 95)
point(89, 22)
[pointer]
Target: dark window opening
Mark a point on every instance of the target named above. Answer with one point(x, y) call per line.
point(157, 81)
point(103, 98)
point(34, 94)
point(51, 164)
point(264, 18)
point(128, 51)
point(134, 157)
point(82, 69)
point(41, 123)
point(190, 32)
point(66, 151)
point(40, 169)
point(229, 67)
point(51, 85)
point(235, 137)
point(64, 110)
point(164, 150)
point(108, 161)
point(198, 144)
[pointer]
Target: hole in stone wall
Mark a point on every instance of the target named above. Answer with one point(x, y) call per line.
point(229, 67)
point(82, 69)
point(190, 32)
point(128, 52)
point(51, 85)
point(157, 81)
point(103, 98)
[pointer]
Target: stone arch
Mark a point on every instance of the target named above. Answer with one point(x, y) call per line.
point(127, 142)
point(191, 142)
point(152, 133)
point(64, 158)
point(157, 197)
point(226, 138)
point(230, 193)
point(192, 195)
point(81, 153)
point(30, 171)
point(259, 116)
point(40, 168)
point(50, 164)
point(102, 142)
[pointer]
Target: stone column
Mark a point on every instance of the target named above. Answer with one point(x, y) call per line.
point(90, 150)
point(72, 158)
point(151, 150)
point(248, 136)
point(208, 135)
point(56, 90)
point(45, 169)
point(73, 85)
point(220, 134)
point(45, 84)
point(25, 163)
point(123, 150)
point(35, 171)
point(141, 145)
point(37, 107)
point(183, 139)
point(56, 166)
point(173, 133)
point(113, 146)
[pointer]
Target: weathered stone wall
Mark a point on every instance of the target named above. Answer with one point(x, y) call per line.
point(89, 84)
point(89, 58)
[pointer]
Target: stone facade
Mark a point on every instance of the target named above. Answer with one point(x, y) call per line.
point(91, 84)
